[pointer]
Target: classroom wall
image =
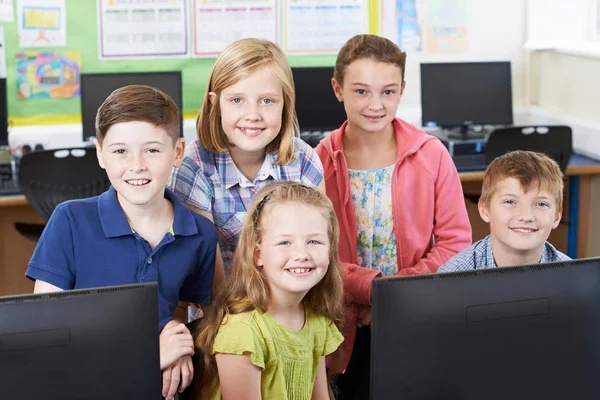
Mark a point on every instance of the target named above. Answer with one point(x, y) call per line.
point(498, 38)
point(496, 33)
point(567, 84)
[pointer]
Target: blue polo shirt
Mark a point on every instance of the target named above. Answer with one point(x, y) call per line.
point(88, 243)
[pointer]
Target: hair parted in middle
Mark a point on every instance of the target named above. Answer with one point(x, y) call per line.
point(238, 61)
point(246, 288)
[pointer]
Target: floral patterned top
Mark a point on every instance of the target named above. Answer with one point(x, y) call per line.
point(372, 199)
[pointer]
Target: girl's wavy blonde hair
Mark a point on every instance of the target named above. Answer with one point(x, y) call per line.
point(246, 288)
point(238, 61)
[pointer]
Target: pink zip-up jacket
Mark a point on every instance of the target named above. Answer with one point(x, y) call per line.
point(428, 208)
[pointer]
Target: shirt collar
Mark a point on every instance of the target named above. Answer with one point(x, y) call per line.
point(231, 175)
point(547, 253)
point(114, 222)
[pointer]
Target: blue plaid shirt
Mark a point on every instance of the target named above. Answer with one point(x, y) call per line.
point(479, 256)
point(211, 182)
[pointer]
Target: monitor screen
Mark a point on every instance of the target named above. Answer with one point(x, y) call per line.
point(3, 113)
point(527, 332)
point(95, 88)
point(85, 344)
point(469, 93)
point(316, 105)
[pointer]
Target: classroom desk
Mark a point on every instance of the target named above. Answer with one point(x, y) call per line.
point(576, 207)
point(16, 250)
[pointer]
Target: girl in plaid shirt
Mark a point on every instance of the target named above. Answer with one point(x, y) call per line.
point(247, 137)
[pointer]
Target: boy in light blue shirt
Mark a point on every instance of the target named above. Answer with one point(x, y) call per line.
point(521, 199)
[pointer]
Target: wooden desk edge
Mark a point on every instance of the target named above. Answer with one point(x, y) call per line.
point(575, 170)
point(12, 201)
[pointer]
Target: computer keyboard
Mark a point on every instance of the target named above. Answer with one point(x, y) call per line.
point(9, 187)
point(313, 137)
point(470, 162)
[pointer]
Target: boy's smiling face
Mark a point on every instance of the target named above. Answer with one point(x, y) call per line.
point(138, 158)
point(520, 222)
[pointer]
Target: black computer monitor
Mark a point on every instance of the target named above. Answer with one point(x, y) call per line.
point(81, 344)
point(463, 94)
point(3, 113)
point(316, 105)
point(528, 332)
point(95, 88)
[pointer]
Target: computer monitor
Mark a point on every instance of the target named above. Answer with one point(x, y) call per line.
point(463, 94)
point(527, 332)
point(85, 344)
point(3, 113)
point(316, 105)
point(95, 88)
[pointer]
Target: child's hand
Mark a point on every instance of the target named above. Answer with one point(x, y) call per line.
point(365, 314)
point(175, 341)
point(179, 374)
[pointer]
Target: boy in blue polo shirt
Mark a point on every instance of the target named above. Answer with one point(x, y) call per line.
point(521, 199)
point(137, 231)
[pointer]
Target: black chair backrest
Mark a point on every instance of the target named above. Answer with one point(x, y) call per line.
point(47, 178)
point(554, 141)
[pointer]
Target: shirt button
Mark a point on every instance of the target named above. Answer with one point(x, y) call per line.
point(150, 260)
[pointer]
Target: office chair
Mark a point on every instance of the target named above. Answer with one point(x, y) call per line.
point(47, 178)
point(554, 141)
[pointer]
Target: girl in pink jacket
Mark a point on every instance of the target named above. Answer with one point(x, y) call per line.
point(395, 190)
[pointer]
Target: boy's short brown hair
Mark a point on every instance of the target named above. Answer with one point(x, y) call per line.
point(529, 168)
point(138, 103)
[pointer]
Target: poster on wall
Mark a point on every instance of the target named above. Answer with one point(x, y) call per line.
point(48, 75)
point(401, 22)
point(2, 53)
point(42, 23)
point(218, 23)
point(446, 26)
point(142, 29)
point(7, 11)
point(322, 26)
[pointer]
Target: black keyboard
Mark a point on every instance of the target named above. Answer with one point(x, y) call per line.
point(9, 187)
point(470, 162)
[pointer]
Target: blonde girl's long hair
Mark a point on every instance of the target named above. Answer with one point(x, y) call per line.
point(246, 287)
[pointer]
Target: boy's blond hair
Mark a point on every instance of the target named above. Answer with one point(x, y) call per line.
point(138, 103)
point(238, 61)
point(530, 169)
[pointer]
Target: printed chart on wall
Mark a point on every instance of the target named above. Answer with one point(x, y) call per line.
point(426, 25)
point(401, 22)
point(142, 29)
point(218, 23)
point(42, 23)
point(7, 11)
point(323, 26)
point(48, 75)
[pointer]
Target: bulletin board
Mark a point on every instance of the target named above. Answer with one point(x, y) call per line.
point(82, 37)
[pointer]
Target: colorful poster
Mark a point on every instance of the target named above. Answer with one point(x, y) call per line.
point(42, 23)
point(218, 23)
point(401, 22)
point(322, 26)
point(142, 29)
point(446, 26)
point(7, 11)
point(48, 75)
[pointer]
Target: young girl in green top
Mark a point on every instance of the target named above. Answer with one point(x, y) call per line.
point(274, 318)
